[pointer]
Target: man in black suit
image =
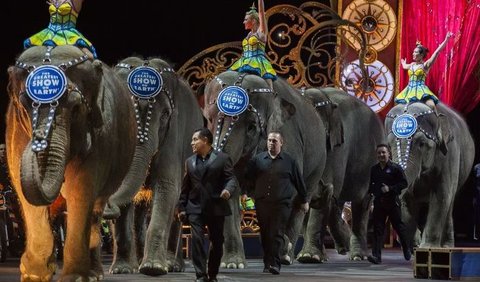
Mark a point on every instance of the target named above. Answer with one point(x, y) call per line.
point(207, 185)
point(387, 180)
point(275, 178)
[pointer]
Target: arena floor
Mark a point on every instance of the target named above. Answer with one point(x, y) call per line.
point(338, 268)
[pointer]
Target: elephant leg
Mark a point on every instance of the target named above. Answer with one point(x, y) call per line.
point(233, 252)
point(410, 215)
point(294, 226)
point(358, 240)
point(76, 258)
point(37, 262)
point(339, 229)
point(438, 216)
point(448, 240)
point(313, 250)
point(140, 227)
point(175, 253)
point(165, 197)
point(124, 257)
point(95, 245)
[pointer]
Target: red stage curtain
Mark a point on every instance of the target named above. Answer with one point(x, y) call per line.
point(454, 77)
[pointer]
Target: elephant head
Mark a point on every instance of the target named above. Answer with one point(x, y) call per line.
point(329, 113)
point(60, 127)
point(157, 115)
point(419, 139)
point(242, 134)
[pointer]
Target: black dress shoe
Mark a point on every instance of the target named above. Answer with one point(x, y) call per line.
point(274, 270)
point(212, 280)
point(201, 279)
point(406, 254)
point(265, 270)
point(374, 260)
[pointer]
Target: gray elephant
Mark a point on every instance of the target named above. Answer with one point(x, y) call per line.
point(166, 122)
point(436, 152)
point(70, 130)
point(353, 131)
point(242, 135)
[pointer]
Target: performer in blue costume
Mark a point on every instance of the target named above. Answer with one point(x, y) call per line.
point(254, 59)
point(416, 89)
point(61, 30)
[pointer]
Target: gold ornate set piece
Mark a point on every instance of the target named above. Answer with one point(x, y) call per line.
point(377, 19)
point(305, 47)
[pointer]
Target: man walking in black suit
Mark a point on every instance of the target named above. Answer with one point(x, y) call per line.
point(207, 185)
point(387, 180)
point(276, 179)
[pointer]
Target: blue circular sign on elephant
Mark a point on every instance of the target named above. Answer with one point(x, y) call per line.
point(145, 82)
point(46, 84)
point(404, 126)
point(232, 101)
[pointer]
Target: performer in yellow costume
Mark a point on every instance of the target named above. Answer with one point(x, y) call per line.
point(416, 89)
point(254, 59)
point(61, 30)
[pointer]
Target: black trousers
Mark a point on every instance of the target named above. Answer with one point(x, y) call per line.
point(380, 214)
point(272, 219)
point(215, 235)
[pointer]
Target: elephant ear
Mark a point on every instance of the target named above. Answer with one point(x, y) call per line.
point(288, 109)
point(335, 127)
point(282, 111)
point(98, 101)
point(443, 134)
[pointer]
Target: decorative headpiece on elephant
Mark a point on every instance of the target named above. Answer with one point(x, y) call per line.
point(67, 115)
point(167, 113)
point(329, 112)
point(436, 152)
point(240, 110)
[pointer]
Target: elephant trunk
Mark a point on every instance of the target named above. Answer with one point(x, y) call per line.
point(134, 179)
point(42, 173)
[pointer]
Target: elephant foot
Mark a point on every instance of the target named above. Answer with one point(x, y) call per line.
point(153, 268)
point(175, 264)
point(287, 259)
point(111, 211)
point(233, 261)
point(312, 255)
point(240, 264)
point(78, 277)
point(358, 251)
point(31, 275)
point(122, 267)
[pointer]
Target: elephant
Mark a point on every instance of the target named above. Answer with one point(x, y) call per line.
point(241, 136)
point(79, 144)
point(171, 117)
point(353, 132)
point(436, 151)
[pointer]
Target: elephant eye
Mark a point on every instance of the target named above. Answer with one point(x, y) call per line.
point(251, 127)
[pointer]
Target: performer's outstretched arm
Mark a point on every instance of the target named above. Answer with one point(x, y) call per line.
point(434, 56)
point(262, 28)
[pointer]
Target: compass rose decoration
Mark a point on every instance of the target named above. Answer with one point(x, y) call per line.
point(377, 91)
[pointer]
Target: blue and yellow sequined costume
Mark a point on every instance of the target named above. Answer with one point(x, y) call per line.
point(416, 89)
point(61, 30)
point(254, 59)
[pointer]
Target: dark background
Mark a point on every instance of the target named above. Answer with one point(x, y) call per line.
point(174, 30)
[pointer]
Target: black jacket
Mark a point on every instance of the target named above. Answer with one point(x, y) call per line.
point(392, 176)
point(201, 189)
point(275, 180)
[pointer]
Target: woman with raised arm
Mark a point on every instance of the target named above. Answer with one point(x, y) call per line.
point(254, 59)
point(416, 89)
point(61, 29)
